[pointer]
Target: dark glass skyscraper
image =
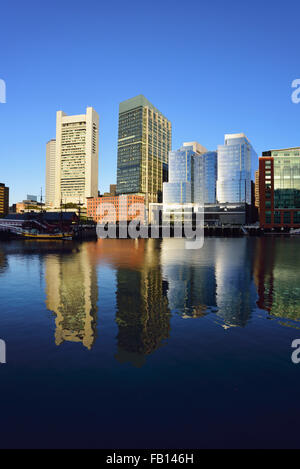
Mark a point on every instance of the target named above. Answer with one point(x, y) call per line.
point(144, 141)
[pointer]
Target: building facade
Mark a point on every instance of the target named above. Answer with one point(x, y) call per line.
point(4, 200)
point(116, 208)
point(50, 172)
point(210, 168)
point(279, 187)
point(257, 188)
point(237, 162)
point(113, 189)
point(192, 176)
point(144, 141)
point(76, 169)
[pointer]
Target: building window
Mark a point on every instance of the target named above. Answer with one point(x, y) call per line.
point(297, 217)
point(286, 217)
point(277, 217)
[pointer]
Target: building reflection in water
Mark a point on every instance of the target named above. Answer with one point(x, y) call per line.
point(276, 275)
point(216, 278)
point(234, 277)
point(3, 262)
point(142, 315)
point(72, 294)
point(190, 275)
point(155, 277)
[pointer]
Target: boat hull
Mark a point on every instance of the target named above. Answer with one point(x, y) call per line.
point(58, 236)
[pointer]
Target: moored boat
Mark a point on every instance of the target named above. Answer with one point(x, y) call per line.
point(54, 236)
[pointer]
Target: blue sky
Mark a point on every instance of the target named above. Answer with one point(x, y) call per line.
point(212, 67)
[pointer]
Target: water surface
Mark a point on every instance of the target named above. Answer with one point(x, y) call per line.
point(142, 343)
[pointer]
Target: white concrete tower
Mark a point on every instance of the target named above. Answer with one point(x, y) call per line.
point(77, 143)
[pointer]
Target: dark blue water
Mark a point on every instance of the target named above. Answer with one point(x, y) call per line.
point(127, 344)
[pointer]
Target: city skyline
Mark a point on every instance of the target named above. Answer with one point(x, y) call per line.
point(244, 89)
point(53, 155)
point(149, 227)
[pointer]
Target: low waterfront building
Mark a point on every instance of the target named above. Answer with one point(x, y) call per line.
point(214, 214)
point(226, 214)
point(4, 200)
point(30, 204)
point(161, 214)
point(53, 218)
point(279, 188)
point(116, 208)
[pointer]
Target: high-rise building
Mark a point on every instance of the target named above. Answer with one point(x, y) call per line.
point(210, 168)
point(50, 172)
point(144, 141)
point(279, 188)
point(76, 170)
point(186, 175)
point(237, 162)
point(178, 189)
point(4, 200)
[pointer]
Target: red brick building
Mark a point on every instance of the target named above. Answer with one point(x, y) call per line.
point(116, 208)
point(279, 188)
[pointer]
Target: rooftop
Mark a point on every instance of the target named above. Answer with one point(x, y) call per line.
point(136, 102)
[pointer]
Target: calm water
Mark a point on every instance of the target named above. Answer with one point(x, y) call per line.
point(124, 343)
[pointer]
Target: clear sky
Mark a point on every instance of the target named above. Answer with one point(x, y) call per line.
point(212, 67)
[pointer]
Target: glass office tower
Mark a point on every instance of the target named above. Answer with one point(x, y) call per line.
point(185, 177)
point(192, 176)
point(237, 163)
point(210, 167)
point(144, 141)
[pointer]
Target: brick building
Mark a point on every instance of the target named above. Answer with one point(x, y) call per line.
point(116, 208)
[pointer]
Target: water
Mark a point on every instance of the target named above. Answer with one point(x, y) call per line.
point(142, 343)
